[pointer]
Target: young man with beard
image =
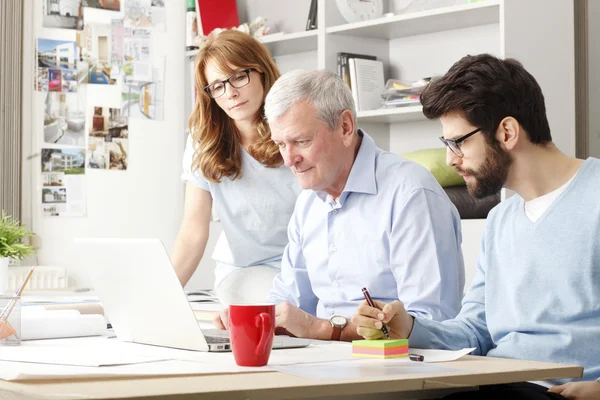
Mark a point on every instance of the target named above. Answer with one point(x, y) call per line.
point(542, 240)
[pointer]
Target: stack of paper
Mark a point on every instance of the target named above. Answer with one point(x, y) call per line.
point(39, 323)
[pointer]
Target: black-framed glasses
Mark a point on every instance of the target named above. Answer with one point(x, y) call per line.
point(454, 144)
point(237, 80)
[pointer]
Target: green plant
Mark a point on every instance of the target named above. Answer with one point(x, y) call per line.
point(12, 234)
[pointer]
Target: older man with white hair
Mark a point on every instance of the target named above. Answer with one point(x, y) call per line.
point(366, 218)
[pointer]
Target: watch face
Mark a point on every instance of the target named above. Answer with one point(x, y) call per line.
point(338, 320)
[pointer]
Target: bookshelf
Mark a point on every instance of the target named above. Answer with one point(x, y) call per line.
point(426, 43)
point(391, 115)
point(422, 22)
point(280, 44)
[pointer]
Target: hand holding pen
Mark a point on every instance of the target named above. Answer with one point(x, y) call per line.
point(373, 317)
point(372, 304)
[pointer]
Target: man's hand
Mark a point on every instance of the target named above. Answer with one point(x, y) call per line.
point(221, 320)
point(369, 320)
point(300, 323)
point(578, 390)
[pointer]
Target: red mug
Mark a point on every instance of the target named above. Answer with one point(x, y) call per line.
point(251, 329)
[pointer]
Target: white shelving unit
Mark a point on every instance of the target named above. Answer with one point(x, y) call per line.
point(391, 115)
point(423, 22)
point(426, 43)
point(280, 44)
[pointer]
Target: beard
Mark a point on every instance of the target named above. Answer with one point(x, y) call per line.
point(491, 175)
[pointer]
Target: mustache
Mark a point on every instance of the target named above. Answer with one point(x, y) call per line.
point(465, 171)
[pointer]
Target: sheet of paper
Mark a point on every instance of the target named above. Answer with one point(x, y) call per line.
point(205, 306)
point(20, 371)
point(60, 324)
point(318, 352)
point(433, 356)
point(102, 353)
point(50, 299)
point(364, 368)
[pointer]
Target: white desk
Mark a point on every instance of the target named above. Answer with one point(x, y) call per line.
point(470, 371)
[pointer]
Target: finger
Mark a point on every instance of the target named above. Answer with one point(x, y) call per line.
point(224, 314)
point(366, 322)
point(557, 389)
point(391, 309)
point(369, 334)
point(217, 322)
point(368, 311)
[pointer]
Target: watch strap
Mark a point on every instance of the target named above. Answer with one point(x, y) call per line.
point(336, 333)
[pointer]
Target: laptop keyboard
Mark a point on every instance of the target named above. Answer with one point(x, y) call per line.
point(216, 339)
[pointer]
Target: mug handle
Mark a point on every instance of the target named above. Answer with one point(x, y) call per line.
point(265, 322)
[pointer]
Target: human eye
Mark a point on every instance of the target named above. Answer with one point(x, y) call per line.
point(216, 87)
point(303, 142)
point(281, 145)
point(239, 77)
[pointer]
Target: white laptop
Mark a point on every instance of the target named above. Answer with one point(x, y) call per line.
point(144, 300)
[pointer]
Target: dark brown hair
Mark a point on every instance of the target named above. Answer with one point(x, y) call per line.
point(485, 90)
point(218, 154)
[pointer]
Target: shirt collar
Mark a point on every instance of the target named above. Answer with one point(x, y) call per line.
point(362, 174)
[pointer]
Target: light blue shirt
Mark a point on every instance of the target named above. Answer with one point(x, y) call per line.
point(536, 292)
point(393, 231)
point(254, 211)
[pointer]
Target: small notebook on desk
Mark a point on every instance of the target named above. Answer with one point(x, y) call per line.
point(201, 296)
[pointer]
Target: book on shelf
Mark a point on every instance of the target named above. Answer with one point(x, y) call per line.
point(342, 64)
point(311, 22)
point(366, 77)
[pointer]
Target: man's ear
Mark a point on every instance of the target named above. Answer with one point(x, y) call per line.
point(348, 126)
point(509, 132)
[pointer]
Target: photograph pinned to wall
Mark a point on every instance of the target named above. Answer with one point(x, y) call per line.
point(108, 143)
point(63, 182)
point(112, 5)
point(63, 14)
point(148, 14)
point(57, 66)
point(70, 161)
point(95, 65)
point(131, 49)
point(64, 118)
point(143, 90)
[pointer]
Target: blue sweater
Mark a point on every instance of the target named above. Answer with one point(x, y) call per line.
point(536, 292)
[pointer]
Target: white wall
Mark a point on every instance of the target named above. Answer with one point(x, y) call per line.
point(144, 201)
point(594, 75)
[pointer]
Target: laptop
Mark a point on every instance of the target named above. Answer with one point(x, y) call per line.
point(144, 300)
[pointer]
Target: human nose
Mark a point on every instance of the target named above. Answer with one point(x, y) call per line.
point(231, 92)
point(452, 159)
point(290, 157)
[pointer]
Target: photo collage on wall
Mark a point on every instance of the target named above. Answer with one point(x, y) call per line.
point(111, 45)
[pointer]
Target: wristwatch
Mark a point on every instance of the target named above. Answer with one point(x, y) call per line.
point(337, 323)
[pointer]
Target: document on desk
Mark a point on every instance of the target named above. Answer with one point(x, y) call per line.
point(337, 370)
point(363, 368)
point(102, 353)
point(22, 371)
point(434, 356)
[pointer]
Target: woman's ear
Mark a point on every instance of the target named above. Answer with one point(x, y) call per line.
point(509, 132)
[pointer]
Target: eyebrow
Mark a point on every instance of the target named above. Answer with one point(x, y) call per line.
point(293, 137)
point(229, 76)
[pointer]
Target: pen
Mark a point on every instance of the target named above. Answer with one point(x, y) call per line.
point(372, 304)
point(416, 357)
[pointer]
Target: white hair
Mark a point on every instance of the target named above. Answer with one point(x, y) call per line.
point(323, 89)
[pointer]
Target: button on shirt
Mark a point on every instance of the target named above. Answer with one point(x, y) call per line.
point(393, 231)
